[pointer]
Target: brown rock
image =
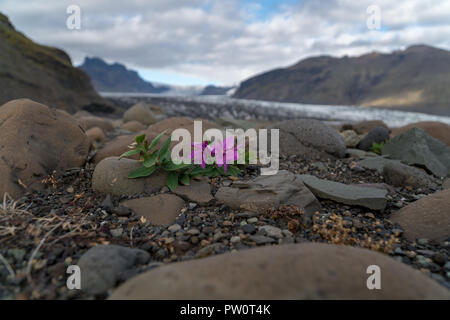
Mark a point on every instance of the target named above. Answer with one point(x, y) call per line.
point(115, 148)
point(34, 141)
point(159, 209)
point(111, 176)
point(427, 218)
point(294, 271)
point(364, 127)
point(437, 130)
point(88, 122)
point(95, 135)
point(197, 191)
point(139, 112)
point(134, 126)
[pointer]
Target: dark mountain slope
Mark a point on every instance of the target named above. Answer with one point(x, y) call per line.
point(417, 78)
point(43, 74)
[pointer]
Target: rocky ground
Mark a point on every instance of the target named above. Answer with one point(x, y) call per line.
point(328, 190)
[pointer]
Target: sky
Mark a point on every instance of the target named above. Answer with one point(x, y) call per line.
point(223, 42)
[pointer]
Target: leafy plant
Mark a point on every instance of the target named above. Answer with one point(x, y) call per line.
point(160, 159)
point(377, 147)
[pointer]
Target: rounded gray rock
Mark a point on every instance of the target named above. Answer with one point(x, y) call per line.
point(310, 139)
point(111, 176)
point(375, 135)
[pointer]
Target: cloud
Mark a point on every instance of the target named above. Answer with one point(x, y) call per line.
point(226, 41)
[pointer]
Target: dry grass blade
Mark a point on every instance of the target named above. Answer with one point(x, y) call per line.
point(37, 249)
point(8, 266)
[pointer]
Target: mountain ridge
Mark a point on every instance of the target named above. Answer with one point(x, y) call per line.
point(116, 77)
point(415, 79)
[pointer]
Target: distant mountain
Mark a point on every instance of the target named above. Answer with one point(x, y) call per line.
point(43, 74)
point(117, 78)
point(212, 90)
point(417, 78)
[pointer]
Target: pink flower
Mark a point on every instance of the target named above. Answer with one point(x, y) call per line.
point(225, 152)
point(197, 153)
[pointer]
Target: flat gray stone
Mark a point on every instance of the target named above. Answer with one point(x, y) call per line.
point(265, 192)
point(158, 209)
point(372, 198)
point(102, 266)
point(197, 191)
point(416, 147)
point(375, 163)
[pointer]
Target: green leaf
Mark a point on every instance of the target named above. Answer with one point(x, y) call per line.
point(150, 160)
point(185, 179)
point(233, 171)
point(196, 170)
point(130, 153)
point(140, 139)
point(170, 166)
point(172, 180)
point(164, 149)
point(156, 140)
point(208, 171)
point(142, 172)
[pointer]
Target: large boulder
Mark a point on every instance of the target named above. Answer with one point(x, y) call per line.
point(158, 209)
point(265, 192)
point(428, 217)
point(437, 130)
point(111, 176)
point(139, 112)
point(375, 135)
point(368, 197)
point(34, 141)
point(294, 271)
point(416, 147)
point(102, 266)
point(311, 139)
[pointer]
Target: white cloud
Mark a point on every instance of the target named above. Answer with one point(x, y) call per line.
point(222, 40)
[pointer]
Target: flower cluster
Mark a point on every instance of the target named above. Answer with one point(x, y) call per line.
point(210, 159)
point(222, 153)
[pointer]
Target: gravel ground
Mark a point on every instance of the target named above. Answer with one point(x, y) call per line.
point(43, 233)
